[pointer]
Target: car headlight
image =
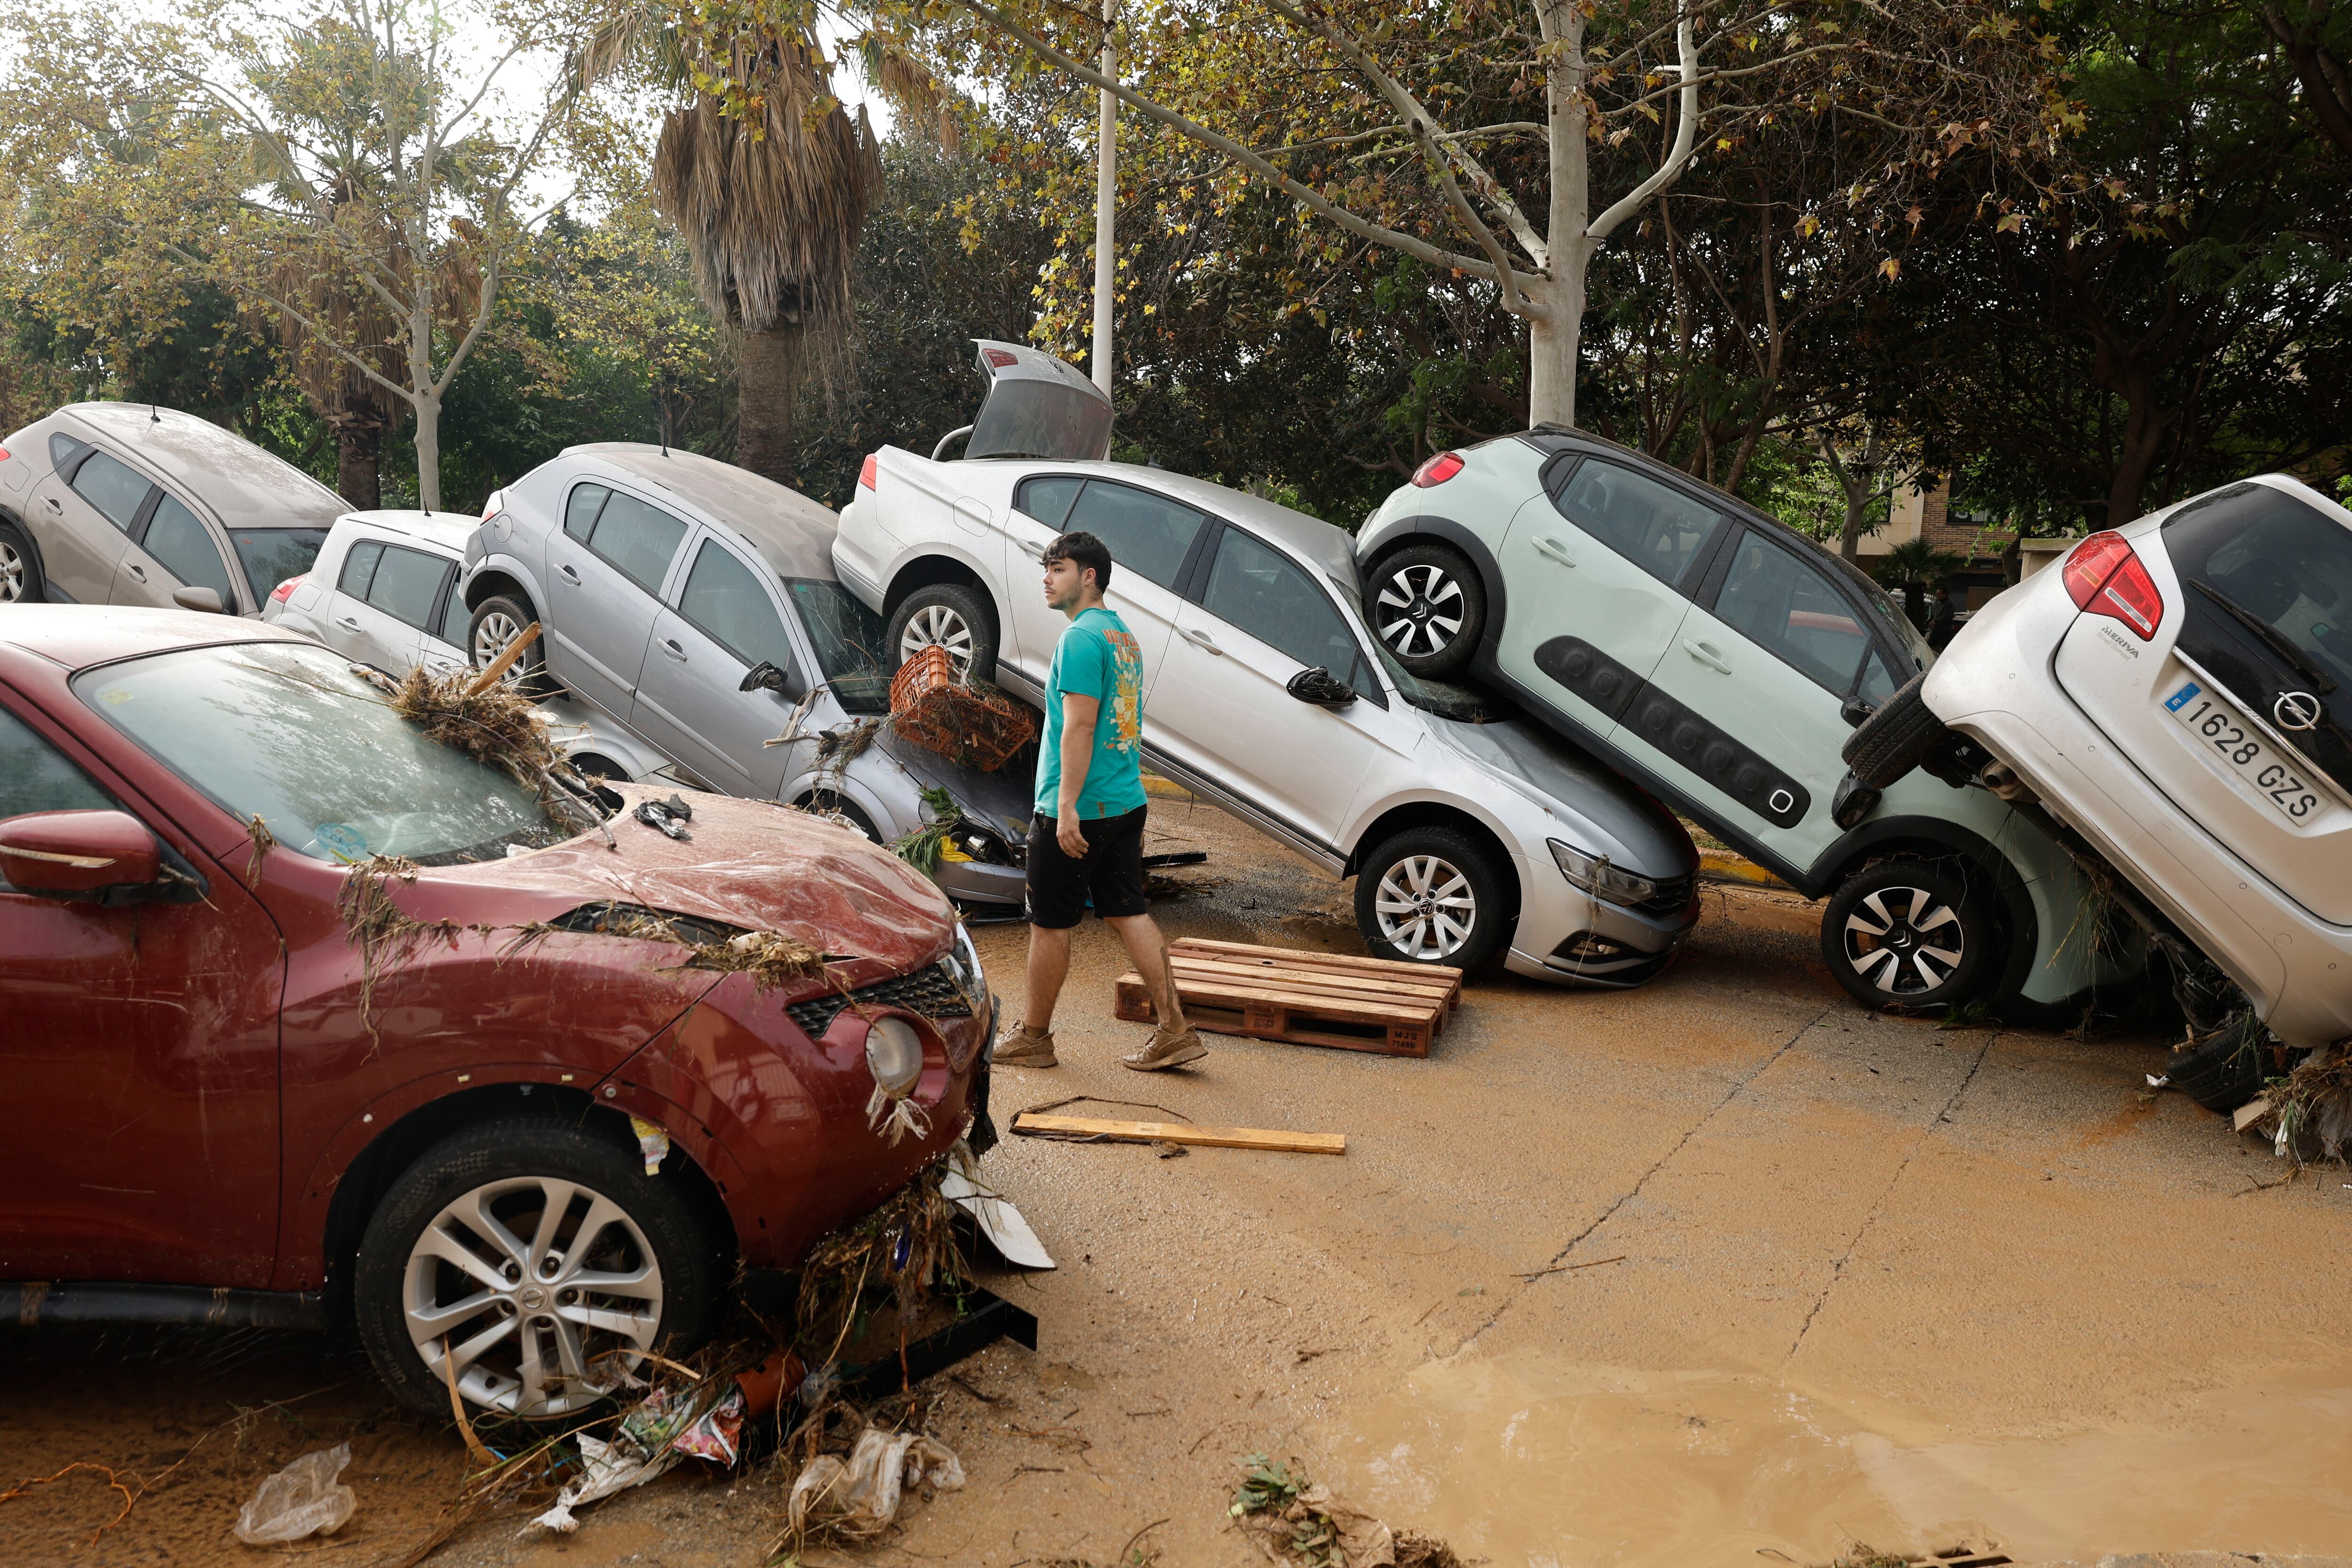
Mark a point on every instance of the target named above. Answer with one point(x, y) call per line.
point(965, 964)
point(1595, 875)
point(894, 1054)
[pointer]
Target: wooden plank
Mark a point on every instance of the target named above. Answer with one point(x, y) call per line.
point(1250, 952)
point(1385, 1036)
point(1273, 990)
point(1333, 981)
point(1185, 1132)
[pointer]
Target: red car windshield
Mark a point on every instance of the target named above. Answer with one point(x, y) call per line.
point(285, 731)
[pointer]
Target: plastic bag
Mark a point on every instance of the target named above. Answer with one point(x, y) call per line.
point(862, 1496)
point(303, 1498)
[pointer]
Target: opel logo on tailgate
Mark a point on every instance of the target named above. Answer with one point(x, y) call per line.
point(2295, 711)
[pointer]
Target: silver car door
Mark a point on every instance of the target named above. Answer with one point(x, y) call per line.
point(170, 548)
point(1220, 706)
point(357, 629)
point(606, 571)
point(1151, 538)
point(405, 592)
point(689, 703)
point(83, 514)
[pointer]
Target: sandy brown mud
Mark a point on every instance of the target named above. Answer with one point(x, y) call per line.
point(1850, 1278)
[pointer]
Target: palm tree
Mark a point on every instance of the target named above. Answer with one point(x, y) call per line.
point(770, 189)
point(1915, 567)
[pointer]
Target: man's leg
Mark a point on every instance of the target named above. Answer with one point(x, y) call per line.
point(1148, 951)
point(1049, 966)
point(1056, 901)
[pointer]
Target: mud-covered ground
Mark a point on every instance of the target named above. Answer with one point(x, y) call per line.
point(1814, 1277)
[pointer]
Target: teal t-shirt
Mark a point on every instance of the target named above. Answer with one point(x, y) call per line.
point(1099, 657)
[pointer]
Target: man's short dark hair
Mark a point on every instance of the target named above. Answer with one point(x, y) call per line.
point(1082, 550)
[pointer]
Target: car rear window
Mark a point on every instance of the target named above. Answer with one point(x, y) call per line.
point(114, 488)
point(1148, 535)
point(285, 731)
point(271, 555)
point(2285, 562)
point(1656, 528)
point(1024, 417)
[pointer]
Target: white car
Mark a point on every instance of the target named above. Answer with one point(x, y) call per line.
point(1469, 840)
point(388, 590)
point(2179, 693)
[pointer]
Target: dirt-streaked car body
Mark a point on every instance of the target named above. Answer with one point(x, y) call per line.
point(231, 1086)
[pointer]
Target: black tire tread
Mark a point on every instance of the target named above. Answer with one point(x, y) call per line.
point(2222, 1073)
point(1891, 742)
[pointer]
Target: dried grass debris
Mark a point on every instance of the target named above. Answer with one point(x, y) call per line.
point(385, 934)
point(771, 959)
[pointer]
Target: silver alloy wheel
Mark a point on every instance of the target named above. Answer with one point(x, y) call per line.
point(543, 1290)
point(1905, 954)
point(1426, 906)
point(1423, 601)
point(490, 639)
point(11, 574)
point(937, 623)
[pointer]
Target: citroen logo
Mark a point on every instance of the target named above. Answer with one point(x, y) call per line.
point(2296, 710)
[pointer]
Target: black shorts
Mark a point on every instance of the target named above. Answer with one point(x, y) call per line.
point(1111, 873)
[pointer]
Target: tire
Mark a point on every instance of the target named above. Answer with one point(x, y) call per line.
point(497, 621)
point(826, 800)
point(2223, 1071)
point(1891, 742)
point(1463, 884)
point(511, 1167)
point(1883, 959)
point(954, 614)
point(1411, 597)
point(20, 568)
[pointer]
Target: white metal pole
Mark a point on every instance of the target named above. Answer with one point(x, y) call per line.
point(1106, 200)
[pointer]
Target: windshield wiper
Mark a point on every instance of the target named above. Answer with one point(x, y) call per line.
point(2270, 636)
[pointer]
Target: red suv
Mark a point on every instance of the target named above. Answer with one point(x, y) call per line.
point(492, 1133)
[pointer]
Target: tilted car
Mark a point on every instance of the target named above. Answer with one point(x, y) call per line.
point(481, 1119)
point(2178, 691)
point(1264, 693)
point(126, 503)
point(1720, 659)
point(667, 581)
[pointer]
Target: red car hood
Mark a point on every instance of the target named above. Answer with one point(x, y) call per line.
point(748, 864)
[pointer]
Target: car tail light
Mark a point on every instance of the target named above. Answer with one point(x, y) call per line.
point(495, 505)
point(866, 475)
point(3, 454)
point(285, 591)
point(2105, 578)
point(1438, 469)
point(1001, 359)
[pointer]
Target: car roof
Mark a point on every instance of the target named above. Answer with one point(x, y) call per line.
point(80, 635)
point(445, 532)
point(792, 533)
point(246, 486)
point(1313, 541)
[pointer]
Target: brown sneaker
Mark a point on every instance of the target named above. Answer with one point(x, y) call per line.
point(1167, 1050)
point(1024, 1047)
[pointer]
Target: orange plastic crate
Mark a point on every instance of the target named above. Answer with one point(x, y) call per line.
point(980, 727)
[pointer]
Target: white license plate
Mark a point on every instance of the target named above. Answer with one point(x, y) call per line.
point(2216, 724)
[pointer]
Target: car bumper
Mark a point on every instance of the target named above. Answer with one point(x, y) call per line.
point(1569, 938)
point(1996, 684)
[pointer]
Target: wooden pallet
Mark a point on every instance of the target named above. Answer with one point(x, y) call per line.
point(1304, 998)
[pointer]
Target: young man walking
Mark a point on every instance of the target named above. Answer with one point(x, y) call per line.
point(1087, 839)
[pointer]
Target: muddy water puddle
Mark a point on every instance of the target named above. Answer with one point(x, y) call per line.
point(1529, 1462)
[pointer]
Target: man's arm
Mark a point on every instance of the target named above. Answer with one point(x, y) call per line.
point(1078, 715)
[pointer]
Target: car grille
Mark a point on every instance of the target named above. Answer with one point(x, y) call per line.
point(1671, 898)
point(931, 992)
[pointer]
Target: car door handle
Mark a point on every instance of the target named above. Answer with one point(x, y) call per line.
point(1034, 551)
point(51, 501)
point(1202, 639)
point(132, 567)
point(671, 649)
point(1556, 550)
point(347, 623)
point(1707, 655)
point(569, 575)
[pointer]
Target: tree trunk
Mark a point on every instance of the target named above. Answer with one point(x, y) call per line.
point(1552, 341)
point(428, 450)
point(358, 458)
point(768, 369)
point(2144, 437)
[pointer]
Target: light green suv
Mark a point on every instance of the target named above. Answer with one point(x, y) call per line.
point(1720, 659)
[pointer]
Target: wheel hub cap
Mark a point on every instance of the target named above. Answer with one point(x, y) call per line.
point(1425, 908)
point(1905, 941)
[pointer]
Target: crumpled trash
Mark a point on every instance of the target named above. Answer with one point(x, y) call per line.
point(719, 1434)
point(862, 1496)
point(606, 1468)
point(667, 816)
point(303, 1498)
point(653, 1144)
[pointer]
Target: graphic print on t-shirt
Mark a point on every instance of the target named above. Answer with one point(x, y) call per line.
point(1126, 703)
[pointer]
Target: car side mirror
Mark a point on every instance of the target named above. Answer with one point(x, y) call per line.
point(69, 854)
point(208, 600)
point(765, 676)
point(1318, 685)
point(1854, 710)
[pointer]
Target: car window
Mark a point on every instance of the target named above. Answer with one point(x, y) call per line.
point(1272, 598)
point(2278, 559)
point(271, 555)
point(456, 620)
point(636, 537)
point(285, 731)
point(848, 638)
point(1049, 500)
point(359, 566)
point(406, 583)
point(113, 488)
point(1147, 534)
point(178, 540)
point(1878, 682)
point(1658, 529)
point(1787, 606)
point(36, 776)
point(580, 511)
point(63, 450)
point(1028, 418)
point(725, 598)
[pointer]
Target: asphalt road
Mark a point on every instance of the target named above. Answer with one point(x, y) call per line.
point(1816, 1277)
